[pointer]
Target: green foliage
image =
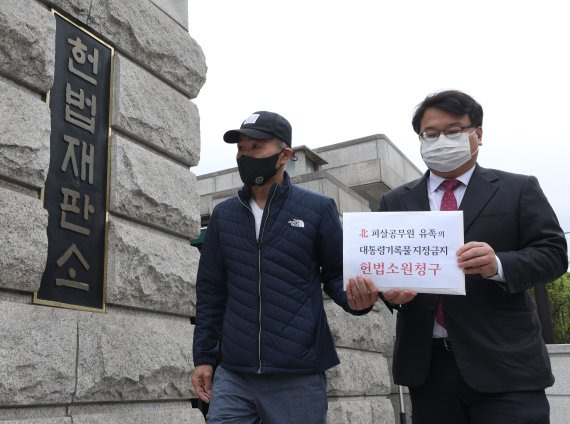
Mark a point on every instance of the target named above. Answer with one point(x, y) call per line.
point(559, 299)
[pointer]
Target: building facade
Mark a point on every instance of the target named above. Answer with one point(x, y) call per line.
point(79, 70)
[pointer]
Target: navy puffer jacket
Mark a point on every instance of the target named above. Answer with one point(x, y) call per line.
point(259, 301)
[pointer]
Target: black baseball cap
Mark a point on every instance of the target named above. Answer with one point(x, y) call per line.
point(262, 125)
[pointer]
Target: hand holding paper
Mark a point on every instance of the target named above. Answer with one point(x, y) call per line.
point(477, 257)
point(399, 297)
point(362, 293)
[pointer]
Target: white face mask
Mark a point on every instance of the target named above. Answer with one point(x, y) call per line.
point(446, 154)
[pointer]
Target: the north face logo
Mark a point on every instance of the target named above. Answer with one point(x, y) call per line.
point(297, 223)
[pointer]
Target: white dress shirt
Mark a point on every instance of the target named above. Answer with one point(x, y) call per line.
point(435, 194)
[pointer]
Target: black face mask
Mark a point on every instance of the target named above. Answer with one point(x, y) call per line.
point(257, 171)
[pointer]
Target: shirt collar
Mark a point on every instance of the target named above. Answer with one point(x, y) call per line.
point(434, 181)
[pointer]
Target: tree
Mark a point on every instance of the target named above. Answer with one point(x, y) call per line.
point(559, 298)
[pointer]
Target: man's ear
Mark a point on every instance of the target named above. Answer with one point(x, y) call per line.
point(479, 132)
point(287, 153)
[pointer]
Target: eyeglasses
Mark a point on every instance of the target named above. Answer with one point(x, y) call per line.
point(451, 132)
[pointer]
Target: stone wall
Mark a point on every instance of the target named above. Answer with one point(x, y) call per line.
point(559, 394)
point(359, 387)
point(132, 364)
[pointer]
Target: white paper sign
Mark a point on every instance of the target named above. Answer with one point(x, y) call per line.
point(405, 250)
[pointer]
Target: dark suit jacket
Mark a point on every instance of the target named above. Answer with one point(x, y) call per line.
point(494, 329)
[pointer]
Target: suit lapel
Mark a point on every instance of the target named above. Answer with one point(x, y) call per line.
point(416, 199)
point(480, 190)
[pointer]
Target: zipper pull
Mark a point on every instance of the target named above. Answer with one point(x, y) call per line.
point(258, 244)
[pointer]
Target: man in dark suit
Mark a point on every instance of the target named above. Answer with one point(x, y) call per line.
point(478, 358)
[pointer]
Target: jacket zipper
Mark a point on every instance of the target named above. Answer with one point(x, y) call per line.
point(259, 245)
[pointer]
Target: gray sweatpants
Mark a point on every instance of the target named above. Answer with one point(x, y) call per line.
point(268, 398)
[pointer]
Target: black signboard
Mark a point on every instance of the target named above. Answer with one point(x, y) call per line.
point(76, 190)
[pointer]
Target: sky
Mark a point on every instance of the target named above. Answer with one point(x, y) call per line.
point(340, 70)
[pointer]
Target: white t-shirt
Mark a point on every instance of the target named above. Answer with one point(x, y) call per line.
point(257, 214)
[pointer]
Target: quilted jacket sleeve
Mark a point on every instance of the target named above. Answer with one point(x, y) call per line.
point(211, 297)
point(329, 245)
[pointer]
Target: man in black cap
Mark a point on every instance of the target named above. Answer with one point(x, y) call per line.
point(259, 309)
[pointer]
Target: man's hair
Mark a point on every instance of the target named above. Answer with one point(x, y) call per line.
point(452, 101)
